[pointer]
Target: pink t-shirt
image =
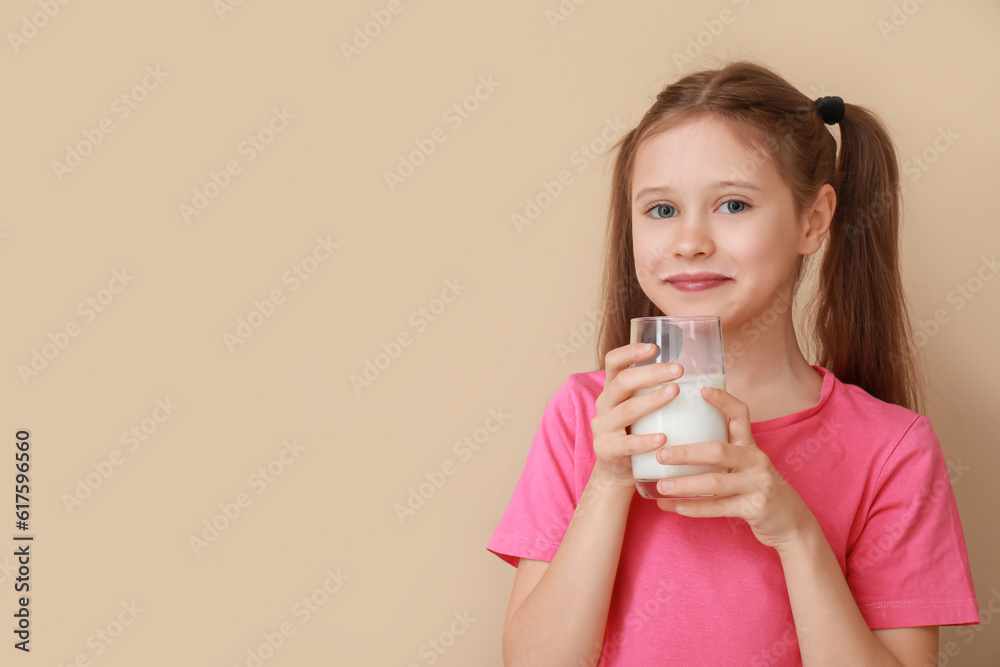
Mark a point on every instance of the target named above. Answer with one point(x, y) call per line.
point(705, 591)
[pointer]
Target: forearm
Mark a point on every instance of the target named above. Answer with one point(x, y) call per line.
point(830, 628)
point(562, 621)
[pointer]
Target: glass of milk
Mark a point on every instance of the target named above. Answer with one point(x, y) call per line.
point(696, 344)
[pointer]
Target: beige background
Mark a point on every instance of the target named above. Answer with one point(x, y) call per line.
point(495, 346)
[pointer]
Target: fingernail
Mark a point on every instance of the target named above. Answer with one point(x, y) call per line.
point(675, 368)
point(663, 486)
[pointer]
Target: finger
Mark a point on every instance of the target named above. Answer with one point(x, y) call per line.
point(634, 384)
point(702, 484)
point(621, 445)
point(631, 409)
point(709, 452)
point(737, 413)
point(621, 357)
point(615, 361)
point(627, 382)
point(628, 412)
point(733, 458)
point(702, 507)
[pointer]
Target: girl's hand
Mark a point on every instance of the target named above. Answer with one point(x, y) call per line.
point(617, 408)
point(753, 491)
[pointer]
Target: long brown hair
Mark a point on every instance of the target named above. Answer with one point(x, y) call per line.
point(861, 327)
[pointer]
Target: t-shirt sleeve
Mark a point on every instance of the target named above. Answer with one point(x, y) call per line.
point(544, 498)
point(909, 565)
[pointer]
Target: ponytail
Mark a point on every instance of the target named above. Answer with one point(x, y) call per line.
point(862, 331)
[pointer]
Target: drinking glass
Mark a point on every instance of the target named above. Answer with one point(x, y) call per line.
point(696, 344)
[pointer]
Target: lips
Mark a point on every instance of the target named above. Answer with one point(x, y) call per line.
point(695, 282)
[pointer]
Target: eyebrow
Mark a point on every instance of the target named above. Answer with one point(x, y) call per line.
point(718, 185)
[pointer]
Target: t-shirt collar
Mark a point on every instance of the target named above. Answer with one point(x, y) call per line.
point(787, 420)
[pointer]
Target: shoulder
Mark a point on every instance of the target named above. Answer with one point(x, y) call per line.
point(850, 397)
point(899, 431)
point(851, 402)
point(581, 390)
point(573, 403)
point(588, 383)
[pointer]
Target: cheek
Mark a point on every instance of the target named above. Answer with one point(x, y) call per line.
point(751, 249)
point(757, 244)
point(647, 253)
point(764, 254)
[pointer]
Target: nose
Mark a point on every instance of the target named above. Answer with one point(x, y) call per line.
point(693, 238)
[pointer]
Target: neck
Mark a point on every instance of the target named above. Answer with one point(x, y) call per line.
point(765, 368)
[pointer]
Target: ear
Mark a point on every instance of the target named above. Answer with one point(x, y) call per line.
point(816, 220)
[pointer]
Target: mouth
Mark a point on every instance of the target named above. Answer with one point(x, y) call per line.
point(696, 282)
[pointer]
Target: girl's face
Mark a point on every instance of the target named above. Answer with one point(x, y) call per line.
point(713, 225)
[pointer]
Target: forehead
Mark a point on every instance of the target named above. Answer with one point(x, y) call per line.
point(697, 152)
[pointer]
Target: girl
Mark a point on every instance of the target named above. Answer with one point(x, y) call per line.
point(834, 537)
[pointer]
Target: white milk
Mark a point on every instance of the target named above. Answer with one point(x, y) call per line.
point(685, 419)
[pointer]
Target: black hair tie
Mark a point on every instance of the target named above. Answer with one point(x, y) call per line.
point(830, 108)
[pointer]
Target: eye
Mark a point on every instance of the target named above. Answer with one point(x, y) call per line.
point(737, 203)
point(662, 211)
